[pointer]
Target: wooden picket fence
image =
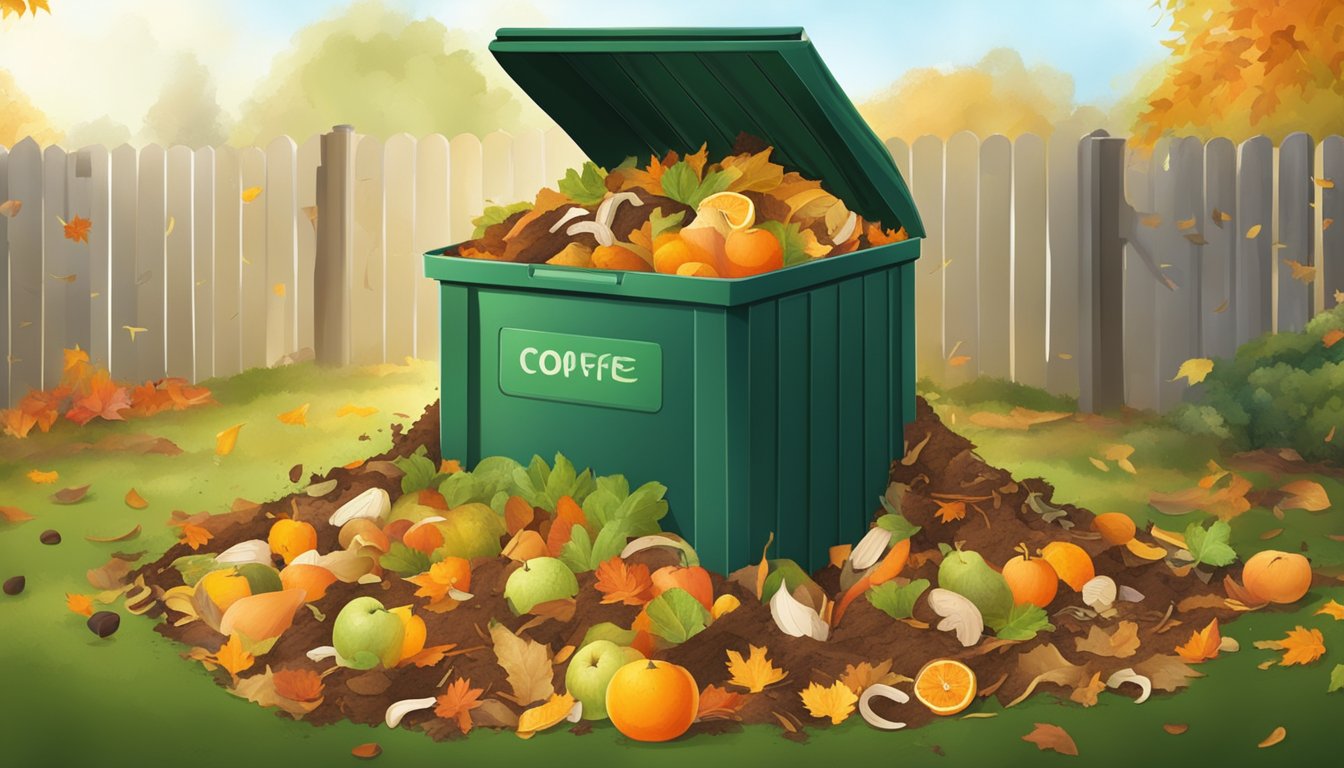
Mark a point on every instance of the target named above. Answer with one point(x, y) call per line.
point(220, 285)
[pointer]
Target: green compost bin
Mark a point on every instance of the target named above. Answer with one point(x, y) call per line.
point(772, 403)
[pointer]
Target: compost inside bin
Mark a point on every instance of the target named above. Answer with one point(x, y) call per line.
point(738, 216)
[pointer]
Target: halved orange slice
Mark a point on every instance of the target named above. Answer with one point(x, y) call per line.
point(945, 686)
point(736, 207)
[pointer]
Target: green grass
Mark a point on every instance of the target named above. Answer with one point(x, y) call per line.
point(69, 699)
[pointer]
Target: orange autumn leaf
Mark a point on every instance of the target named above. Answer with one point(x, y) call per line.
point(43, 478)
point(232, 657)
point(950, 510)
point(437, 584)
point(80, 604)
point(14, 515)
point(620, 582)
point(756, 672)
point(1299, 646)
point(1332, 609)
point(105, 399)
point(720, 704)
point(193, 535)
point(77, 229)
point(1332, 337)
point(297, 417)
point(367, 751)
point(457, 701)
point(450, 466)
point(1203, 644)
point(303, 685)
point(250, 194)
point(226, 440)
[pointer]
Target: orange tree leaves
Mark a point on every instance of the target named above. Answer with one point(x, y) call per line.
point(1300, 646)
point(620, 582)
point(1241, 67)
point(457, 701)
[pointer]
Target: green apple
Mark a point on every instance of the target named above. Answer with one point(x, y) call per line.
point(366, 634)
point(471, 530)
point(591, 670)
point(540, 580)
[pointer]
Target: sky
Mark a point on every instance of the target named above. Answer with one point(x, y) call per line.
point(110, 57)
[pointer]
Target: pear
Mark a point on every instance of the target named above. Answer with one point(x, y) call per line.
point(967, 574)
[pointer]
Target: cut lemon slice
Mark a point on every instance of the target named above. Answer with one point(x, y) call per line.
point(736, 207)
point(945, 686)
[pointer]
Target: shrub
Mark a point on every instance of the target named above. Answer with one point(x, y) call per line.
point(1279, 391)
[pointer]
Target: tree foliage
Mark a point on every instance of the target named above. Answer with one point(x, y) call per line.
point(1244, 67)
point(19, 118)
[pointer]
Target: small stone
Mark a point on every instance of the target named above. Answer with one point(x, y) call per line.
point(104, 623)
point(50, 536)
point(14, 585)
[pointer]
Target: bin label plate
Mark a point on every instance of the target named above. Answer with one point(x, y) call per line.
point(591, 370)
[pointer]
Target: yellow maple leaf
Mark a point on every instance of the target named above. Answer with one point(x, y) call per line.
point(1332, 609)
point(1299, 646)
point(755, 673)
point(350, 409)
point(226, 440)
point(297, 417)
point(1302, 273)
point(951, 510)
point(1194, 370)
point(80, 604)
point(43, 478)
point(835, 701)
point(232, 657)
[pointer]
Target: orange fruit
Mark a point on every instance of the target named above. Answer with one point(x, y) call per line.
point(737, 209)
point(652, 700)
point(664, 239)
point(697, 269)
point(945, 686)
point(750, 252)
point(706, 244)
point(291, 538)
point(1032, 580)
point(1071, 562)
point(1277, 577)
point(414, 632)
point(669, 256)
point(455, 571)
point(695, 580)
point(224, 587)
point(618, 257)
point(1115, 527)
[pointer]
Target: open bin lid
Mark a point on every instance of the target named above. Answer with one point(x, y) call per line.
point(640, 92)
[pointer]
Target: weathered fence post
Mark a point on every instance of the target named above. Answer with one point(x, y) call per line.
point(1101, 273)
point(331, 279)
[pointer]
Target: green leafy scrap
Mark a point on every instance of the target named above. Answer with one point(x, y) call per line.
point(790, 238)
point(661, 223)
point(542, 485)
point(1210, 545)
point(897, 600)
point(496, 214)
point(418, 470)
point(1024, 621)
point(490, 482)
point(585, 187)
point(403, 560)
point(1336, 679)
point(681, 183)
point(893, 521)
point(676, 616)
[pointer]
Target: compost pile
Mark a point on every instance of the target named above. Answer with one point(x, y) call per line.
point(737, 217)
point(1131, 612)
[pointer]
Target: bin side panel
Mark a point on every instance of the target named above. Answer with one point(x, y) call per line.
point(902, 291)
point(822, 471)
point(743, 541)
point(879, 392)
point(794, 403)
point(854, 499)
point(711, 439)
point(763, 404)
point(458, 410)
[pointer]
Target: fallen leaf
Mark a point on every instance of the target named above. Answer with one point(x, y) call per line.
point(278, 289)
point(1194, 370)
point(134, 500)
point(355, 410)
point(835, 701)
point(1301, 272)
point(537, 719)
point(1045, 664)
point(622, 583)
point(1099, 464)
point(1307, 495)
point(77, 229)
point(1046, 736)
point(232, 657)
point(1202, 645)
point(43, 478)
point(863, 676)
point(14, 515)
point(1175, 729)
point(457, 701)
point(1221, 308)
point(299, 685)
point(1274, 737)
point(131, 534)
point(950, 510)
point(1332, 337)
point(720, 704)
point(133, 330)
point(297, 417)
point(194, 536)
point(956, 361)
point(527, 664)
point(70, 495)
point(109, 575)
point(1121, 642)
point(250, 194)
point(1253, 232)
point(1300, 646)
point(756, 672)
point(1324, 183)
point(10, 208)
point(1332, 609)
point(226, 440)
point(1184, 224)
point(367, 751)
point(81, 604)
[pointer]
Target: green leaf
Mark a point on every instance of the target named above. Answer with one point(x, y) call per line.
point(403, 560)
point(790, 238)
point(601, 505)
point(661, 223)
point(676, 616)
point(895, 522)
point(496, 214)
point(1336, 679)
point(577, 553)
point(194, 567)
point(897, 600)
point(610, 541)
point(712, 184)
point(1024, 621)
point(681, 184)
point(585, 187)
point(419, 472)
point(641, 510)
point(1209, 545)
